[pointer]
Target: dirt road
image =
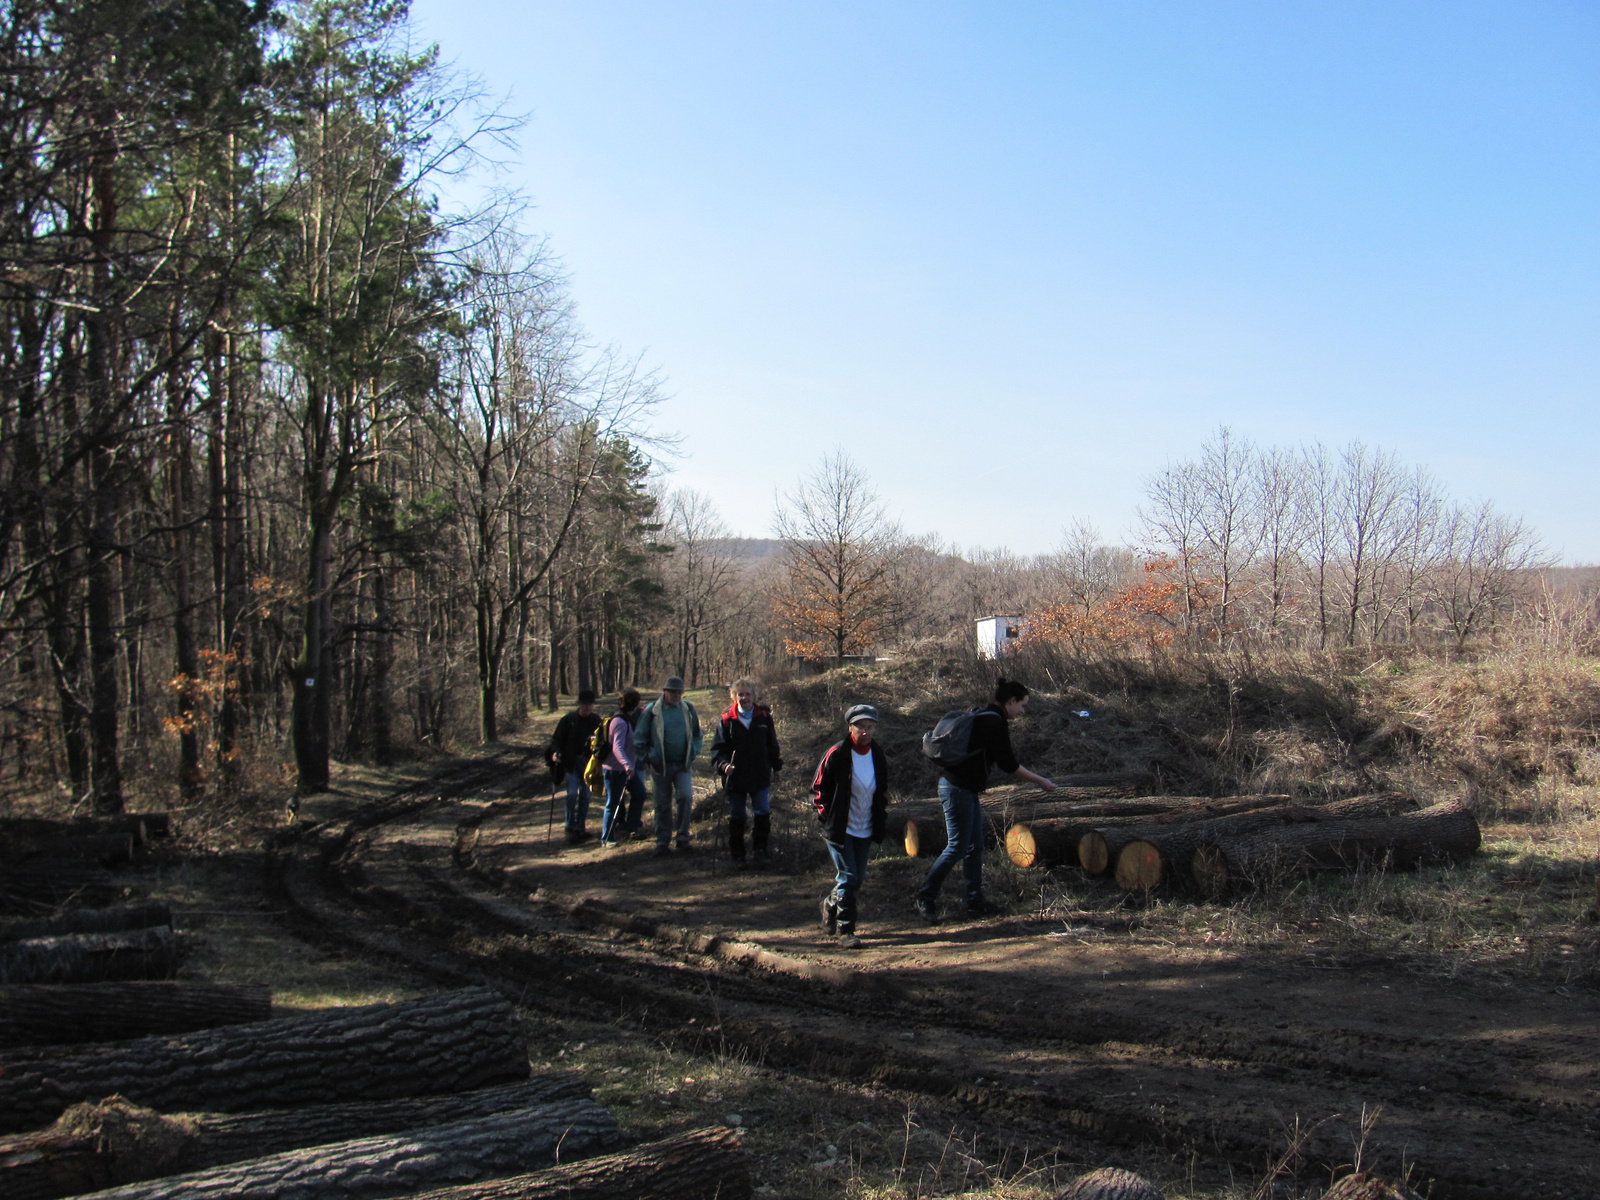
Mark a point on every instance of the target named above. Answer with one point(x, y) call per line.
point(1486, 1089)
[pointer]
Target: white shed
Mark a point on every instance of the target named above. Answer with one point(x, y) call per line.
point(997, 636)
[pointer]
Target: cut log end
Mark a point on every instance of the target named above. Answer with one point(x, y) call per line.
point(913, 840)
point(1139, 867)
point(1093, 855)
point(1020, 846)
point(1110, 1183)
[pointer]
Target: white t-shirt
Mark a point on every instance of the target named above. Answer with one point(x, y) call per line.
point(863, 782)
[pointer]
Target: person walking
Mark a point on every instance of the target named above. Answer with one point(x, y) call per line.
point(744, 751)
point(960, 789)
point(851, 795)
point(621, 764)
point(669, 739)
point(569, 747)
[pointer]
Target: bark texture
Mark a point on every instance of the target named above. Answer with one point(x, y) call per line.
point(707, 1164)
point(43, 1014)
point(92, 957)
point(400, 1164)
point(1178, 833)
point(1443, 833)
point(94, 1146)
point(1110, 1183)
point(445, 1043)
point(1052, 837)
point(1004, 806)
point(145, 915)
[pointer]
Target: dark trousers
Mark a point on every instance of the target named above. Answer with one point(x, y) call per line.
point(963, 823)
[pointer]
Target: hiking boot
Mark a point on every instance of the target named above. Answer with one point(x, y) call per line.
point(609, 844)
point(928, 911)
point(849, 941)
point(830, 916)
point(662, 849)
point(984, 907)
point(684, 847)
point(763, 860)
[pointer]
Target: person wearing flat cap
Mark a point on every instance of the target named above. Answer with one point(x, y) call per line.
point(669, 739)
point(851, 795)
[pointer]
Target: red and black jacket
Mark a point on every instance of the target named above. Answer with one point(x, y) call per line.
point(753, 752)
point(830, 791)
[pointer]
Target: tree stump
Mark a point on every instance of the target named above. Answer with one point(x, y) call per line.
point(445, 1043)
point(704, 1165)
point(43, 1014)
point(1110, 1183)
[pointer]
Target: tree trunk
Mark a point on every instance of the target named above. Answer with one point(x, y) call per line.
point(1098, 849)
point(1443, 833)
point(147, 914)
point(83, 1152)
point(373, 1167)
point(444, 1043)
point(311, 715)
point(1147, 856)
point(1110, 1183)
point(707, 1164)
point(40, 1014)
point(91, 957)
point(1050, 837)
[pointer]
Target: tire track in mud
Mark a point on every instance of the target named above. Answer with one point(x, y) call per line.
point(398, 882)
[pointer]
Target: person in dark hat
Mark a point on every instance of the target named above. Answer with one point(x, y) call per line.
point(569, 749)
point(669, 740)
point(851, 795)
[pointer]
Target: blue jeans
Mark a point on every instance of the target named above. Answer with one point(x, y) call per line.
point(760, 803)
point(621, 815)
point(681, 785)
point(850, 872)
point(963, 823)
point(577, 801)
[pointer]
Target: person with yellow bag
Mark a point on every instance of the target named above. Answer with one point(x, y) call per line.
point(569, 750)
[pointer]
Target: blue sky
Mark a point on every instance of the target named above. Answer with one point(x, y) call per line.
point(1014, 257)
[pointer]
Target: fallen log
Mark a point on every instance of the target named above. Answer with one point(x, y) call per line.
point(53, 883)
point(92, 957)
point(368, 1168)
point(920, 826)
point(1110, 1183)
point(1151, 855)
point(147, 914)
point(138, 824)
point(450, 1042)
point(1053, 837)
point(1443, 833)
point(107, 849)
point(706, 1164)
point(94, 1146)
point(45, 1014)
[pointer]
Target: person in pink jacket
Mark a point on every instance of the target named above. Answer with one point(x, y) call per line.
point(621, 765)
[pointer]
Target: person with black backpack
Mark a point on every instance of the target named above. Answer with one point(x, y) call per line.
point(963, 746)
point(569, 750)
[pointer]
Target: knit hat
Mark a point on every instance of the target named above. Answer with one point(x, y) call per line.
point(861, 712)
point(673, 684)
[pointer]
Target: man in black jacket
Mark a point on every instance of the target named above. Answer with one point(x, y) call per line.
point(851, 795)
point(959, 790)
point(569, 747)
point(744, 752)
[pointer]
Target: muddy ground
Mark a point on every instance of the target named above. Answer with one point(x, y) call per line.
point(1011, 1050)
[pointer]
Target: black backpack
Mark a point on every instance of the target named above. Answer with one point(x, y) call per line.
point(949, 743)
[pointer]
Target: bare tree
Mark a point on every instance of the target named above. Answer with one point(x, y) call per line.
point(834, 595)
point(1485, 553)
point(702, 578)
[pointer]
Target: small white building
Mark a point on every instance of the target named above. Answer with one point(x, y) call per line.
point(997, 636)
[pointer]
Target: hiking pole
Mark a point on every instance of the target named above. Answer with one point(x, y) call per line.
point(549, 826)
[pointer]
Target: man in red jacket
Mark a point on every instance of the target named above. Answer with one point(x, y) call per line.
point(851, 795)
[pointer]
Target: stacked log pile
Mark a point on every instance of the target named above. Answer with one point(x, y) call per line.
point(1052, 838)
point(919, 825)
point(45, 863)
point(379, 1101)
